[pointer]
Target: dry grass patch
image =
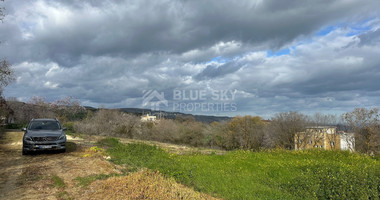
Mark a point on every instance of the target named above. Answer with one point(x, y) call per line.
point(143, 184)
point(173, 148)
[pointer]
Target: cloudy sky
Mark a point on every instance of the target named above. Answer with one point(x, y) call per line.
point(232, 57)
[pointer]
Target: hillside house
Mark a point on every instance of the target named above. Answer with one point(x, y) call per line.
point(324, 137)
point(148, 118)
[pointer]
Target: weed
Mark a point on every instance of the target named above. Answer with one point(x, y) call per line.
point(58, 181)
point(87, 180)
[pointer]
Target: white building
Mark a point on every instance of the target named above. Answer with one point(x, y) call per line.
point(347, 141)
point(148, 118)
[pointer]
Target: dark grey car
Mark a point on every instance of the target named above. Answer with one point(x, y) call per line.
point(43, 134)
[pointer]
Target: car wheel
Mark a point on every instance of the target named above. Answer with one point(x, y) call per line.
point(24, 152)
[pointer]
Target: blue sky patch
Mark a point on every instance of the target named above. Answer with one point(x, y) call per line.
point(285, 51)
point(220, 59)
point(358, 30)
point(326, 30)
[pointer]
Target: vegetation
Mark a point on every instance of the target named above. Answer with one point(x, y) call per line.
point(285, 127)
point(66, 110)
point(365, 123)
point(6, 74)
point(86, 180)
point(143, 184)
point(6, 77)
point(58, 182)
point(242, 132)
point(274, 174)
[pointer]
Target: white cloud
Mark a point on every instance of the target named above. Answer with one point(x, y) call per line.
point(106, 53)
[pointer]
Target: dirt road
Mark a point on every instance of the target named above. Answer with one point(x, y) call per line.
point(55, 175)
point(35, 176)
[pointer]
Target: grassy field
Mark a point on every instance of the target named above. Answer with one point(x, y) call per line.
point(278, 174)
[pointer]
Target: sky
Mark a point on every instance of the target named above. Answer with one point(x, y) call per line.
point(247, 57)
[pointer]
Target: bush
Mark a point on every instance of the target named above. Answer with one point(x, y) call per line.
point(179, 131)
point(165, 130)
point(15, 126)
point(193, 133)
point(109, 122)
point(69, 126)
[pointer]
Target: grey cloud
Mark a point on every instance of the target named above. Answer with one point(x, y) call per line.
point(108, 52)
point(212, 71)
point(370, 38)
point(136, 27)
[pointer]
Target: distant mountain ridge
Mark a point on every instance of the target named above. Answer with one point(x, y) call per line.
point(169, 115)
point(173, 115)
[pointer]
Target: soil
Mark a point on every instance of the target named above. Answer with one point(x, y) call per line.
point(52, 175)
point(31, 176)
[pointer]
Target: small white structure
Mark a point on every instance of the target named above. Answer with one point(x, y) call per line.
point(148, 118)
point(347, 141)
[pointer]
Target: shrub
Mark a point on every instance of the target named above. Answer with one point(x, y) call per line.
point(193, 133)
point(166, 130)
point(15, 126)
point(109, 122)
point(69, 126)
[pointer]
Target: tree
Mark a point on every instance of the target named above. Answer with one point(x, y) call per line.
point(109, 122)
point(166, 130)
point(193, 133)
point(365, 124)
point(319, 119)
point(68, 109)
point(38, 107)
point(285, 128)
point(6, 77)
point(216, 134)
point(245, 132)
point(6, 72)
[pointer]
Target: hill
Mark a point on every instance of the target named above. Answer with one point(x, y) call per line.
point(173, 115)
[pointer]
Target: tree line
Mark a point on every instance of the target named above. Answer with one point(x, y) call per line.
point(241, 132)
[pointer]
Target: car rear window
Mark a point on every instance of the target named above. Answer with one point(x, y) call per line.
point(44, 125)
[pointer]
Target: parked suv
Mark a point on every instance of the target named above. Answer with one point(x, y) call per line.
point(43, 134)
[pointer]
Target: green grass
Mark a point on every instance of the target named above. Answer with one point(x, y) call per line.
point(64, 195)
point(87, 180)
point(58, 182)
point(277, 174)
